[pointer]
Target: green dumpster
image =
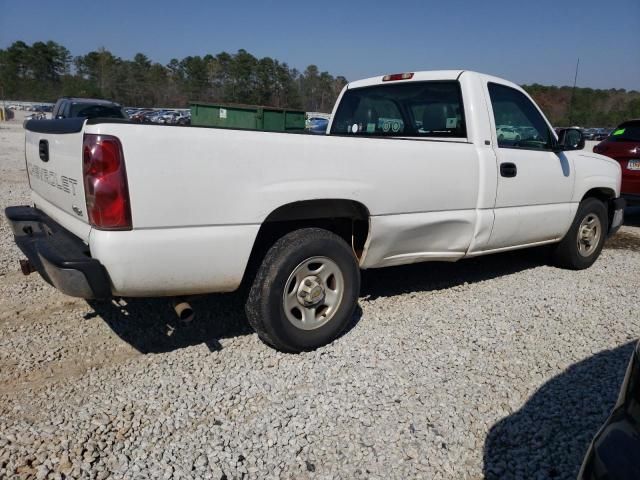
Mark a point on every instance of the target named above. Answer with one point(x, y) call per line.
point(250, 117)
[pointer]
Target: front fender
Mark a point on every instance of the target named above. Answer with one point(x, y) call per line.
point(595, 171)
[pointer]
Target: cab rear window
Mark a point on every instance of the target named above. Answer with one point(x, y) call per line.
point(414, 109)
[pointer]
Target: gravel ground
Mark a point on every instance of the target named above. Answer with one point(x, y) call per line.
point(498, 367)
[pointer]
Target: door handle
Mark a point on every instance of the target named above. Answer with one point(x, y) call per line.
point(43, 150)
point(508, 169)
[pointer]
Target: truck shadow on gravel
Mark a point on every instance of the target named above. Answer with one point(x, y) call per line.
point(548, 437)
point(431, 276)
point(150, 326)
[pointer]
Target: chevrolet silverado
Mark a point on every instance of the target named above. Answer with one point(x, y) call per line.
point(411, 169)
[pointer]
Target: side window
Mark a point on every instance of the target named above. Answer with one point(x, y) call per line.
point(411, 109)
point(518, 122)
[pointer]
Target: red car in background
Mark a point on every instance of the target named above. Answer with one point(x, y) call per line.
point(623, 145)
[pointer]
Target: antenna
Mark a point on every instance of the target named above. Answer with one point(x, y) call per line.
point(573, 91)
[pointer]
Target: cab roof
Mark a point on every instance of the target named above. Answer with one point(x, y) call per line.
point(96, 101)
point(430, 75)
point(417, 76)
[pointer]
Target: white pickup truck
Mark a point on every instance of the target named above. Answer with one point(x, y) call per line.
point(411, 170)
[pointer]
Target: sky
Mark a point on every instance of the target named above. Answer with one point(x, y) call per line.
point(536, 41)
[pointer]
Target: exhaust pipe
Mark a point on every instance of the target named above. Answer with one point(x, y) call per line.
point(27, 267)
point(183, 310)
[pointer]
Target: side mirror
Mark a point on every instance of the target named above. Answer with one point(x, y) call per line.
point(569, 139)
point(58, 117)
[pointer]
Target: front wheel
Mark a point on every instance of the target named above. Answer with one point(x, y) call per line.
point(583, 243)
point(305, 291)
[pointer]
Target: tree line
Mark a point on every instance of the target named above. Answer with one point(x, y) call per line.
point(44, 71)
point(586, 107)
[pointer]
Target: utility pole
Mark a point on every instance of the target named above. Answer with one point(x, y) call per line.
point(4, 110)
point(573, 92)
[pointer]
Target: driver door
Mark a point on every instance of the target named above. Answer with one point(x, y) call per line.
point(535, 184)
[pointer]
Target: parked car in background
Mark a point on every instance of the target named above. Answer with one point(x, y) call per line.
point(156, 116)
point(141, 116)
point(623, 145)
point(36, 116)
point(602, 133)
point(68, 107)
point(588, 133)
point(613, 454)
point(184, 118)
point(317, 125)
point(41, 108)
point(506, 132)
point(167, 117)
point(527, 133)
point(175, 117)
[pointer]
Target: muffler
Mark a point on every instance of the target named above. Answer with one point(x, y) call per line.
point(183, 310)
point(27, 267)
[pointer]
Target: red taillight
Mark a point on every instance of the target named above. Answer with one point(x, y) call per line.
point(105, 183)
point(397, 76)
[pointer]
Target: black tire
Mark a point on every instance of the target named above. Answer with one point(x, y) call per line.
point(566, 254)
point(265, 303)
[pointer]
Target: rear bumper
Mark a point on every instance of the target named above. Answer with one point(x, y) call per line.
point(60, 257)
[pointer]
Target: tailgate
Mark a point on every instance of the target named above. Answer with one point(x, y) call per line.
point(53, 150)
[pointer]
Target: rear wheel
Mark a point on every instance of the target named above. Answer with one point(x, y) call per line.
point(583, 243)
point(305, 291)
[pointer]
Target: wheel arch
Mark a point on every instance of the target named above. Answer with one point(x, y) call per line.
point(603, 194)
point(350, 219)
point(606, 195)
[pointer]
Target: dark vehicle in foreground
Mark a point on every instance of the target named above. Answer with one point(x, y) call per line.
point(623, 145)
point(613, 454)
point(67, 107)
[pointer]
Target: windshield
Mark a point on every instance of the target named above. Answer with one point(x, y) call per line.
point(88, 110)
point(627, 132)
point(415, 109)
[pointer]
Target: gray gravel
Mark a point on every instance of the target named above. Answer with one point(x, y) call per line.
point(500, 367)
